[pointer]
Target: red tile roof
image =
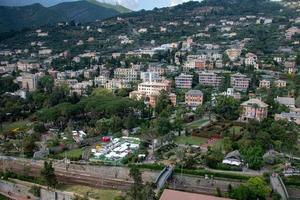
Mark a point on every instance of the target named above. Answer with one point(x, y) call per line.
point(178, 195)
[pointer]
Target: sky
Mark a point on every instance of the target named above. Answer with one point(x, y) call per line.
point(131, 4)
point(146, 4)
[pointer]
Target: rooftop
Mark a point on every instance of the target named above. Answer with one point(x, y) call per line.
point(178, 195)
point(258, 102)
point(195, 93)
point(285, 100)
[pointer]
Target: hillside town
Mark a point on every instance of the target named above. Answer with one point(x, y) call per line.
point(196, 101)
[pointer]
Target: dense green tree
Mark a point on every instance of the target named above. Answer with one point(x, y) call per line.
point(213, 157)
point(200, 111)
point(259, 187)
point(102, 92)
point(29, 145)
point(136, 190)
point(162, 125)
point(130, 122)
point(298, 60)
point(255, 188)
point(253, 157)
point(46, 84)
point(242, 193)
point(148, 192)
point(49, 175)
point(227, 108)
point(7, 84)
point(39, 128)
point(103, 125)
point(163, 101)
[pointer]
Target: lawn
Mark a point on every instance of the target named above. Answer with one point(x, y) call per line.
point(218, 145)
point(92, 192)
point(74, 154)
point(236, 129)
point(197, 123)
point(190, 140)
point(22, 125)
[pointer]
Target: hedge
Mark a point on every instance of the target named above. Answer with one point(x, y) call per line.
point(293, 180)
point(201, 172)
point(157, 167)
point(197, 172)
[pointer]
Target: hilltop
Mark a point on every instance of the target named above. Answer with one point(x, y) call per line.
point(18, 17)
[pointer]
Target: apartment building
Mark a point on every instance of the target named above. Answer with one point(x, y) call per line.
point(126, 74)
point(29, 81)
point(184, 81)
point(115, 84)
point(292, 116)
point(239, 82)
point(159, 70)
point(153, 99)
point(286, 101)
point(280, 83)
point(254, 109)
point(233, 54)
point(151, 77)
point(153, 88)
point(210, 79)
point(100, 80)
point(194, 98)
point(265, 84)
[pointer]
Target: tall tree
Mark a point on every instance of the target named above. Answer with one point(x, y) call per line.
point(48, 174)
point(162, 101)
point(227, 108)
point(136, 190)
point(253, 156)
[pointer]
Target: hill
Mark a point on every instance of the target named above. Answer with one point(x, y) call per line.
point(184, 20)
point(16, 18)
point(119, 8)
point(48, 3)
point(83, 11)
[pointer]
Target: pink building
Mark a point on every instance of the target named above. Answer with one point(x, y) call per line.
point(194, 98)
point(184, 81)
point(210, 79)
point(253, 109)
point(239, 82)
point(153, 99)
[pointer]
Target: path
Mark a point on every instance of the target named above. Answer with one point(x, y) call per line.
point(279, 187)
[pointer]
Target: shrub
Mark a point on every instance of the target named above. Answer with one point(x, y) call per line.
point(36, 190)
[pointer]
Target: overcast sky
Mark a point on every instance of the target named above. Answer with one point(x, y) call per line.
point(131, 4)
point(146, 4)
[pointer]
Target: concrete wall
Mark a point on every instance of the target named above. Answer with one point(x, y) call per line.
point(17, 190)
point(55, 195)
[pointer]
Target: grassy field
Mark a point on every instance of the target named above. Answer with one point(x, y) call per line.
point(235, 129)
point(197, 123)
point(190, 140)
point(23, 125)
point(218, 145)
point(92, 192)
point(71, 154)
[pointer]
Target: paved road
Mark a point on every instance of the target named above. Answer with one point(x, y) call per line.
point(278, 187)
